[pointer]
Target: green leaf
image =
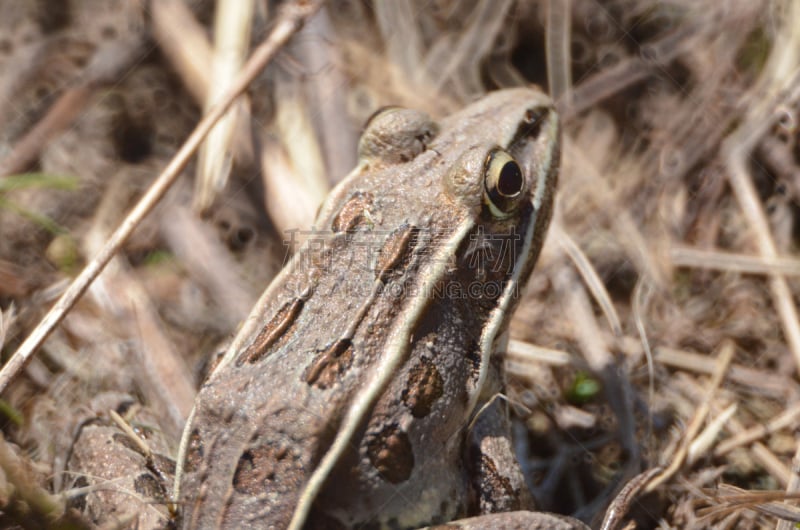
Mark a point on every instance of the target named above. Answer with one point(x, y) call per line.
point(12, 414)
point(584, 388)
point(38, 180)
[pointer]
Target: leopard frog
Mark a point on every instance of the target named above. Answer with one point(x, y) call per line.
point(348, 399)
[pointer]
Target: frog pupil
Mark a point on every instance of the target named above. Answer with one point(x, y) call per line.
point(509, 182)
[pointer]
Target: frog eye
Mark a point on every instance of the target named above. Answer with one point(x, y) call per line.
point(503, 182)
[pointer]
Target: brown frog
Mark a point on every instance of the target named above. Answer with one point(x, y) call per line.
point(348, 397)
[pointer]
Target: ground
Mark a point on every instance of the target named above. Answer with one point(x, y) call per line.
point(660, 326)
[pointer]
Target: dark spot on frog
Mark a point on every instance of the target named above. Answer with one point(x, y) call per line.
point(391, 453)
point(354, 214)
point(272, 332)
point(330, 364)
point(424, 386)
point(163, 464)
point(496, 491)
point(260, 467)
point(249, 479)
point(149, 487)
point(395, 254)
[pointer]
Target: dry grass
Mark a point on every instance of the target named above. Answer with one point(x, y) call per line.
point(660, 328)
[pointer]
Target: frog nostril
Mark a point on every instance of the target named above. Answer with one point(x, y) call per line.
point(532, 126)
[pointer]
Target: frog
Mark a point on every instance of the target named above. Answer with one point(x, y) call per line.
point(362, 390)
